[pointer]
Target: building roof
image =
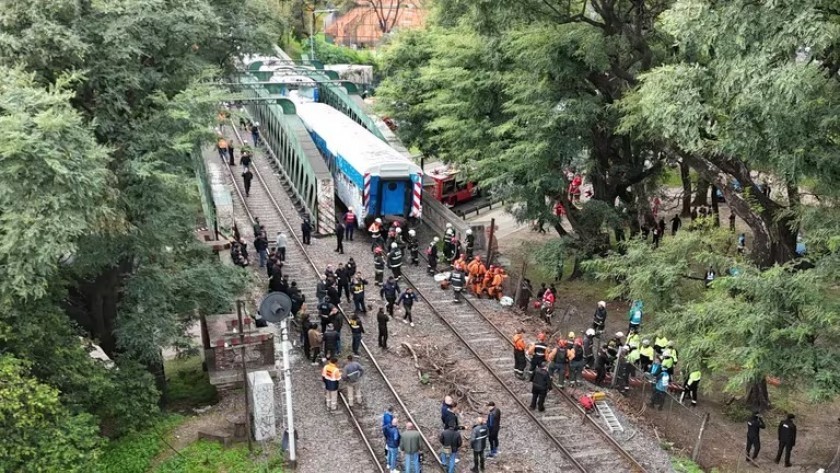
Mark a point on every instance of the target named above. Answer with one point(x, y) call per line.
point(359, 148)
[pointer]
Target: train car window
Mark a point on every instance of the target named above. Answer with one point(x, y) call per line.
point(392, 186)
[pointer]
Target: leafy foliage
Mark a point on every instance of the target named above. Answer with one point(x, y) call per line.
point(102, 105)
point(39, 433)
point(210, 457)
point(135, 452)
point(779, 321)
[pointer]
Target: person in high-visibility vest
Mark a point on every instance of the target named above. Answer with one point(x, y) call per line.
point(331, 376)
point(519, 360)
point(646, 355)
point(691, 385)
point(659, 344)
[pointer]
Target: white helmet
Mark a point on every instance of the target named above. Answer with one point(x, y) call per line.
point(619, 334)
point(256, 123)
point(398, 230)
point(378, 220)
point(435, 240)
point(349, 209)
point(469, 231)
point(448, 225)
point(602, 304)
point(412, 232)
point(393, 245)
point(590, 331)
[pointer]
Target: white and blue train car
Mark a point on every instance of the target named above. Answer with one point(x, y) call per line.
point(370, 176)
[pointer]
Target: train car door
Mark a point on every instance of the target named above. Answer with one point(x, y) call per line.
point(393, 197)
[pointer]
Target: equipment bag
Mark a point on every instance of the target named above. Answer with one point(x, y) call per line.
point(587, 403)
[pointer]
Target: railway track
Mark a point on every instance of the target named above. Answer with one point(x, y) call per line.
point(589, 447)
point(364, 418)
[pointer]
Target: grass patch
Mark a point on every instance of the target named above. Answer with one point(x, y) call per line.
point(187, 384)
point(211, 457)
point(134, 452)
point(685, 465)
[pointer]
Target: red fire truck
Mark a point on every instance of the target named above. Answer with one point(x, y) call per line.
point(448, 188)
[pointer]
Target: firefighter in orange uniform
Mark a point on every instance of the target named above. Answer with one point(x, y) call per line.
point(487, 281)
point(476, 270)
point(519, 359)
point(495, 290)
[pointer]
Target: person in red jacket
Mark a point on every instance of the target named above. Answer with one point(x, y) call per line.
point(547, 307)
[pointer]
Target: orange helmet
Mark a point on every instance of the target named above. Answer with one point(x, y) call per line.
point(378, 250)
point(541, 336)
point(477, 258)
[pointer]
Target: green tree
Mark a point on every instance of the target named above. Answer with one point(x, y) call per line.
point(521, 92)
point(39, 434)
point(103, 104)
point(748, 324)
point(750, 92)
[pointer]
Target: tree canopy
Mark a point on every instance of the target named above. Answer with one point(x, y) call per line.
point(103, 106)
point(742, 94)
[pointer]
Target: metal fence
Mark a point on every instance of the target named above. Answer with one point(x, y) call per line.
point(695, 434)
point(204, 190)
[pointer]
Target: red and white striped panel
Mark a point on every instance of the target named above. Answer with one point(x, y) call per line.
point(366, 192)
point(416, 206)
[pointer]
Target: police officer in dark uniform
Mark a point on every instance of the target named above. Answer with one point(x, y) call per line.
point(787, 438)
point(432, 254)
point(458, 280)
point(540, 385)
point(390, 291)
point(324, 310)
point(395, 260)
point(359, 294)
point(754, 426)
point(306, 230)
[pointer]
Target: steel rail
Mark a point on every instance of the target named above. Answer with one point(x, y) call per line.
point(633, 462)
point(314, 266)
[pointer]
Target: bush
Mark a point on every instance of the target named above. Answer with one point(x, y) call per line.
point(188, 384)
point(211, 457)
point(134, 452)
point(737, 412)
point(685, 465)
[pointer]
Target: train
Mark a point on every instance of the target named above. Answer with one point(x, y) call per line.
point(371, 177)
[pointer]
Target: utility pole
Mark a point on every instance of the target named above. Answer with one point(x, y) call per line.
point(312, 31)
point(239, 304)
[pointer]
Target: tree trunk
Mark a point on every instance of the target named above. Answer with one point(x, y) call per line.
point(685, 177)
point(157, 370)
point(757, 396)
point(702, 197)
point(773, 227)
point(715, 207)
point(577, 272)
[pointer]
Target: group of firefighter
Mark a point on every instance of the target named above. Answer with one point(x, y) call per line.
point(617, 357)
point(467, 269)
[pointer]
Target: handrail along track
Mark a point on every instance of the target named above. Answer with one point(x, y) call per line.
point(376, 457)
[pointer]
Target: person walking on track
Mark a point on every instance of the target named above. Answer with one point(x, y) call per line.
point(247, 177)
point(410, 445)
point(754, 427)
point(356, 330)
point(349, 220)
point(353, 373)
point(494, 424)
point(787, 438)
point(392, 443)
point(306, 230)
point(537, 351)
point(339, 238)
point(382, 320)
point(519, 360)
point(450, 440)
point(331, 376)
point(540, 385)
point(390, 291)
point(478, 442)
point(407, 300)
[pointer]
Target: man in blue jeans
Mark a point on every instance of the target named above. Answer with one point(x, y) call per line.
point(392, 443)
point(410, 445)
point(450, 439)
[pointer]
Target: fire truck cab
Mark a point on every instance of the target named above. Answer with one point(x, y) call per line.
point(448, 188)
